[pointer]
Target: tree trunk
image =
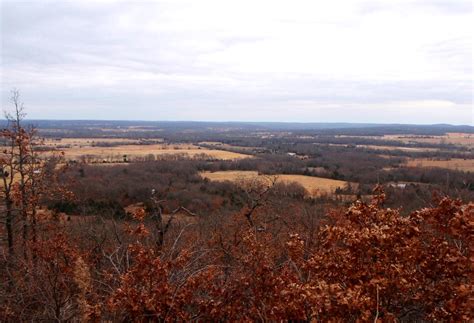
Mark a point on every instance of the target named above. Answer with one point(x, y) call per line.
point(9, 227)
point(158, 219)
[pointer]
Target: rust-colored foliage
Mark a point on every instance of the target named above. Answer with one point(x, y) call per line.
point(369, 263)
point(364, 263)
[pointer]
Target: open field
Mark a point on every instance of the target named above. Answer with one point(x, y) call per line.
point(218, 144)
point(381, 147)
point(453, 138)
point(407, 149)
point(133, 151)
point(89, 141)
point(466, 165)
point(459, 139)
point(314, 185)
point(78, 147)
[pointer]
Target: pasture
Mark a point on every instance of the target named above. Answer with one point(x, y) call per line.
point(458, 139)
point(314, 185)
point(466, 165)
point(77, 148)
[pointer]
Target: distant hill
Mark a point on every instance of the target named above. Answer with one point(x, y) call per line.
point(324, 128)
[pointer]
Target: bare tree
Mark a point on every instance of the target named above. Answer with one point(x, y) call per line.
point(7, 173)
point(161, 228)
point(18, 172)
point(257, 193)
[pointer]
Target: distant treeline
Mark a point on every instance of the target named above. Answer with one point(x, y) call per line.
point(89, 127)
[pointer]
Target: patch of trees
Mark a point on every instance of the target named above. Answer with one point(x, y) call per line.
point(106, 190)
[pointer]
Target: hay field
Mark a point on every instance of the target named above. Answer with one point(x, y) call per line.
point(314, 185)
point(407, 149)
point(454, 138)
point(133, 151)
point(89, 141)
point(76, 148)
point(380, 147)
point(466, 165)
point(219, 144)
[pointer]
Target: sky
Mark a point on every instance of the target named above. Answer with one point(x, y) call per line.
point(385, 61)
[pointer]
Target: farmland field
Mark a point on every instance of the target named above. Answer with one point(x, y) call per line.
point(452, 138)
point(405, 149)
point(78, 147)
point(381, 147)
point(466, 165)
point(314, 185)
point(218, 144)
point(458, 139)
point(90, 141)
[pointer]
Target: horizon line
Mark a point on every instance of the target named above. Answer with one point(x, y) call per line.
point(257, 122)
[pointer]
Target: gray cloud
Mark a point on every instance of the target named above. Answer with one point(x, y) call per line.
point(179, 60)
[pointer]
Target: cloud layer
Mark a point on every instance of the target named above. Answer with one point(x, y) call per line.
point(308, 61)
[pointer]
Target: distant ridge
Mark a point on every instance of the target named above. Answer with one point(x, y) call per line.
point(324, 127)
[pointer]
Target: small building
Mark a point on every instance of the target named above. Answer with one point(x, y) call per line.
point(397, 185)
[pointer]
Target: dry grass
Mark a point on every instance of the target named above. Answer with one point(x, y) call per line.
point(408, 149)
point(454, 163)
point(219, 144)
point(386, 156)
point(89, 141)
point(380, 147)
point(314, 185)
point(132, 151)
point(230, 175)
point(459, 139)
point(454, 138)
point(110, 164)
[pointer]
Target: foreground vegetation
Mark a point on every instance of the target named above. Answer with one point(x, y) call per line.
point(365, 262)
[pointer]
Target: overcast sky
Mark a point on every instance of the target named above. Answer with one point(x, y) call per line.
point(388, 61)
